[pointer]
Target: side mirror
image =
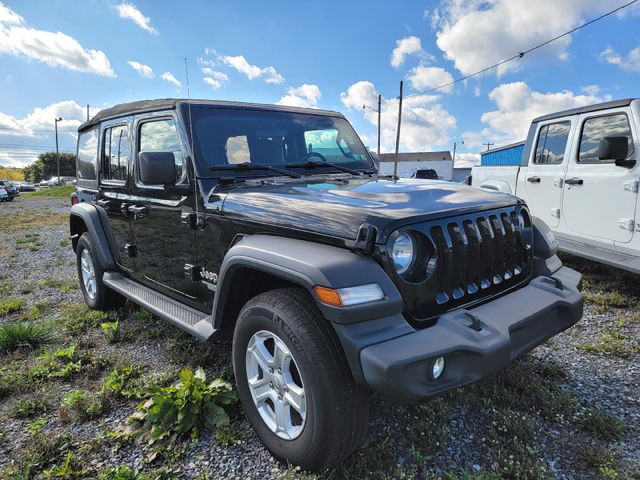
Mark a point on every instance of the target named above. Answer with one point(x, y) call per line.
point(157, 168)
point(615, 148)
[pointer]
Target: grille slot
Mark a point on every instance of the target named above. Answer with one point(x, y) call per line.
point(477, 256)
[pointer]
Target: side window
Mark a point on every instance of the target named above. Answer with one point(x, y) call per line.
point(162, 136)
point(87, 154)
point(595, 129)
point(115, 153)
point(552, 142)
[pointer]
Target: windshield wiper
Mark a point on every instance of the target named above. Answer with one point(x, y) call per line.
point(312, 164)
point(247, 166)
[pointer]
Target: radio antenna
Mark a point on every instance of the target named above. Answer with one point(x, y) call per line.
point(193, 151)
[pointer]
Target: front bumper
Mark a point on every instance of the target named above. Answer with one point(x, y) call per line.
point(506, 327)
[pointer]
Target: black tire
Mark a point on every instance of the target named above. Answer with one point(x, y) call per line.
point(104, 298)
point(337, 408)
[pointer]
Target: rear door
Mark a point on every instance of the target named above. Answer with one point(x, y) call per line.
point(114, 167)
point(543, 176)
point(600, 197)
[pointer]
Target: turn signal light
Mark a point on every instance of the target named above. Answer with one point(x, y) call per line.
point(328, 296)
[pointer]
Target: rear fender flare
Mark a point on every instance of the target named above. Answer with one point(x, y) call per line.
point(92, 217)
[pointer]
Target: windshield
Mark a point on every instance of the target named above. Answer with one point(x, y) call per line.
point(232, 137)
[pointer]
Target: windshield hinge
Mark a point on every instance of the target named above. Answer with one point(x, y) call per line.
point(366, 238)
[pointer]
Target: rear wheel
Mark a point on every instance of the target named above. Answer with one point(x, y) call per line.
point(294, 381)
point(96, 294)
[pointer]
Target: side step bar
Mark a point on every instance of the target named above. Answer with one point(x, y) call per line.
point(614, 259)
point(186, 318)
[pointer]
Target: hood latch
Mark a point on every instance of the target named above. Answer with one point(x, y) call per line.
point(366, 238)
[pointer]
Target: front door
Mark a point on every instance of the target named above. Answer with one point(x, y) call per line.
point(164, 240)
point(546, 170)
point(114, 165)
point(600, 197)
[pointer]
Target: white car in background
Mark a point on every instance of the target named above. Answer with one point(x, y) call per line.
point(4, 196)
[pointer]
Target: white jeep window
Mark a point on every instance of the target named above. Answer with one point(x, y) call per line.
point(595, 129)
point(162, 136)
point(115, 154)
point(552, 142)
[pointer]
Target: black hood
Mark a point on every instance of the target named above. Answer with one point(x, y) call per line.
point(337, 207)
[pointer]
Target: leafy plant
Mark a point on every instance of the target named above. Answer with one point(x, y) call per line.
point(35, 426)
point(78, 318)
point(119, 381)
point(59, 364)
point(19, 335)
point(111, 331)
point(122, 473)
point(186, 407)
point(28, 408)
point(10, 305)
point(82, 404)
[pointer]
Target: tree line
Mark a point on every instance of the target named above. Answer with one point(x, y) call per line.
point(46, 167)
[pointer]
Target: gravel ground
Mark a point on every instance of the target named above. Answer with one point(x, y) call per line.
point(525, 423)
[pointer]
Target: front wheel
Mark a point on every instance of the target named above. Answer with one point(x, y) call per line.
point(294, 381)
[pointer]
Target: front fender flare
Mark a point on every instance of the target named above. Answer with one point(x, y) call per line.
point(91, 216)
point(309, 264)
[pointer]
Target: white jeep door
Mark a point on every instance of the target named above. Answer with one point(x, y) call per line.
point(544, 174)
point(600, 197)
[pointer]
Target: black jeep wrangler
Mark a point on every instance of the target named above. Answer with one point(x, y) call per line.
point(271, 224)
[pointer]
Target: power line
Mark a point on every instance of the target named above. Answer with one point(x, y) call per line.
point(524, 52)
point(27, 130)
point(28, 147)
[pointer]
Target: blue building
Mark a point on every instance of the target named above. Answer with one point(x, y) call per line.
point(507, 155)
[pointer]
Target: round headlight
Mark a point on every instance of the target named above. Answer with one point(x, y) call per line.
point(403, 253)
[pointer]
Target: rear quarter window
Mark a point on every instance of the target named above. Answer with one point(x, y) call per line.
point(87, 154)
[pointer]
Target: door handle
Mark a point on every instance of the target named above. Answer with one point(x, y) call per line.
point(124, 209)
point(138, 211)
point(533, 179)
point(104, 204)
point(574, 181)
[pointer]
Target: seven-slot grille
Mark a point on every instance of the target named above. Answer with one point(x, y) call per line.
point(477, 256)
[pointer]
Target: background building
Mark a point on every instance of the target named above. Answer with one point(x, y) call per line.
point(409, 162)
point(506, 155)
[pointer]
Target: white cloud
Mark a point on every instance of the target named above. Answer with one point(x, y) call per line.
point(306, 95)
point(518, 104)
point(629, 62)
point(424, 78)
point(130, 12)
point(214, 78)
point(477, 33)
point(38, 126)
point(269, 74)
point(405, 47)
point(467, 159)
point(168, 76)
point(53, 48)
point(141, 68)
point(425, 124)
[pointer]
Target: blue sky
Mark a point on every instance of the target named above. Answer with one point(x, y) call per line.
point(58, 56)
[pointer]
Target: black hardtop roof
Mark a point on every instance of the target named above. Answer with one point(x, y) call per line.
point(589, 108)
point(142, 106)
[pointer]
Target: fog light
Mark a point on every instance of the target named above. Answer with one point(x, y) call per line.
point(437, 368)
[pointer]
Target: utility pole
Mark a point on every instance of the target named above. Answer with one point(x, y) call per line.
point(488, 144)
point(379, 112)
point(87, 112)
point(395, 161)
point(57, 152)
point(453, 159)
point(379, 118)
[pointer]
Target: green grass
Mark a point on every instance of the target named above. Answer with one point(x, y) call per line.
point(63, 191)
point(602, 425)
point(604, 301)
point(78, 318)
point(612, 343)
point(15, 336)
point(37, 310)
point(11, 305)
point(28, 408)
point(59, 284)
